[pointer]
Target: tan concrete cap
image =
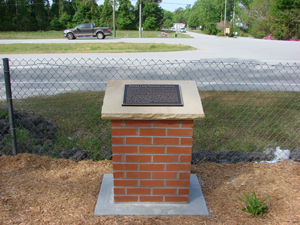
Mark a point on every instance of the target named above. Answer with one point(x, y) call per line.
point(112, 104)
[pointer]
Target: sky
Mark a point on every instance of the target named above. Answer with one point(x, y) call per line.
point(170, 5)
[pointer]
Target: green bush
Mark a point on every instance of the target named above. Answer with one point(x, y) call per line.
point(56, 25)
point(259, 34)
point(243, 34)
point(220, 34)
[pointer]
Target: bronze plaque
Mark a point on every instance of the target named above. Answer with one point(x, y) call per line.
point(152, 95)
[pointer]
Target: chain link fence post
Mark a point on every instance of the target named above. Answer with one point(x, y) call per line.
point(10, 106)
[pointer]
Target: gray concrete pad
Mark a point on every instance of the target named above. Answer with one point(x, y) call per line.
point(106, 206)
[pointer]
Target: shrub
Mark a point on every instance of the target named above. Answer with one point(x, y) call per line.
point(259, 34)
point(243, 34)
point(56, 25)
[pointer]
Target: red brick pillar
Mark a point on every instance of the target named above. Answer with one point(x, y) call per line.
point(152, 160)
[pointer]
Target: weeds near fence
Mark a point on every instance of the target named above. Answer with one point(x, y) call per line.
point(247, 121)
point(248, 106)
point(235, 120)
point(78, 117)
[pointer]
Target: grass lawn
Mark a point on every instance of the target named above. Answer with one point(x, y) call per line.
point(60, 34)
point(195, 30)
point(235, 120)
point(90, 47)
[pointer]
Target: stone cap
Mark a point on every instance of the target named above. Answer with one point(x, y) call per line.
point(112, 104)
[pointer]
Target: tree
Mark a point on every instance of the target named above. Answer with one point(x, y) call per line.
point(286, 19)
point(33, 15)
point(125, 16)
point(38, 14)
point(178, 15)
point(168, 15)
point(56, 25)
point(167, 24)
point(61, 14)
point(54, 11)
point(281, 18)
point(86, 11)
point(257, 17)
point(193, 20)
point(186, 14)
point(209, 15)
point(152, 15)
point(106, 15)
point(9, 15)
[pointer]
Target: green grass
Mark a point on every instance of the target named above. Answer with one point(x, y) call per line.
point(235, 120)
point(31, 35)
point(91, 48)
point(195, 30)
point(248, 121)
point(60, 34)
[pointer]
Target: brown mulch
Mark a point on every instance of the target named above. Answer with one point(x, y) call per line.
point(42, 190)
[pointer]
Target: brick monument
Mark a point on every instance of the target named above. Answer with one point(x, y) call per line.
point(151, 142)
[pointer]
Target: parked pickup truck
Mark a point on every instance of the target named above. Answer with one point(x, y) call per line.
point(87, 30)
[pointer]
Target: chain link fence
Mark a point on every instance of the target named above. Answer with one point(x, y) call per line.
point(249, 107)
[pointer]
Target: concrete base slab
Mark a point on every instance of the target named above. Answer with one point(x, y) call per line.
point(106, 205)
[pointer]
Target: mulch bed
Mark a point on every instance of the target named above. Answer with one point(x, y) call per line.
point(41, 190)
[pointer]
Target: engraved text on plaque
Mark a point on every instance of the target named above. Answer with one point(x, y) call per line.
point(152, 95)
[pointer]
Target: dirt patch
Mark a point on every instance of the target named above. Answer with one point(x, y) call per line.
point(42, 190)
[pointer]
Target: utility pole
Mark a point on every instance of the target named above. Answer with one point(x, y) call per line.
point(140, 26)
point(114, 18)
point(225, 18)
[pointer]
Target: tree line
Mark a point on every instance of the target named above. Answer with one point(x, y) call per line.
point(259, 18)
point(34, 15)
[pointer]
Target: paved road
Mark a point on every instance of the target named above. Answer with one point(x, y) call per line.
point(247, 64)
point(211, 48)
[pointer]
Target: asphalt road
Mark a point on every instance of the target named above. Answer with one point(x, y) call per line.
point(218, 64)
point(211, 48)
